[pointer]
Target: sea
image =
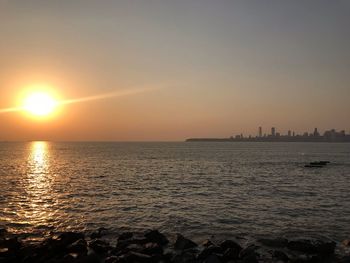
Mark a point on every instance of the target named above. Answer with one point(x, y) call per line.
point(194, 188)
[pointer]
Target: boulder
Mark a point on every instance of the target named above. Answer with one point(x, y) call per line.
point(3, 232)
point(275, 242)
point(99, 246)
point(136, 257)
point(152, 249)
point(184, 257)
point(346, 242)
point(67, 238)
point(207, 243)
point(183, 243)
point(249, 254)
point(280, 256)
point(345, 259)
point(79, 246)
point(230, 244)
point(99, 233)
point(212, 259)
point(231, 254)
point(312, 246)
point(156, 237)
point(206, 252)
point(125, 236)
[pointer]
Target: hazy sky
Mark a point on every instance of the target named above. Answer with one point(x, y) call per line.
point(220, 67)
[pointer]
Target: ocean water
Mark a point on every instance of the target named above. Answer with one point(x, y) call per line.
point(197, 189)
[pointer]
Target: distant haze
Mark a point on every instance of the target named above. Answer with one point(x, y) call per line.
point(214, 67)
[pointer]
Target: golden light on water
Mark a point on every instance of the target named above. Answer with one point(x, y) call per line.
point(38, 184)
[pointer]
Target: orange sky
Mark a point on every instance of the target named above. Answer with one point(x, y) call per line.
point(214, 68)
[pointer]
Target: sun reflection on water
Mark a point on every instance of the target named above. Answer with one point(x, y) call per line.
point(38, 186)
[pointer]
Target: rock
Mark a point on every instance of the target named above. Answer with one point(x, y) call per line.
point(252, 258)
point(206, 252)
point(79, 246)
point(276, 242)
point(230, 244)
point(184, 257)
point(207, 243)
point(3, 232)
point(312, 246)
point(279, 255)
point(99, 246)
point(125, 236)
point(12, 244)
point(99, 233)
point(346, 242)
point(212, 259)
point(111, 259)
point(156, 237)
point(182, 243)
point(345, 259)
point(231, 254)
point(122, 244)
point(249, 253)
point(67, 238)
point(137, 257)
point(134, 247)
point(152, 249)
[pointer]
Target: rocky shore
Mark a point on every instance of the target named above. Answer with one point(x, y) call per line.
point(153, 246)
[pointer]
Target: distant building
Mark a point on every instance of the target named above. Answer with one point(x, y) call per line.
point(273, 131)
point(260, 132)
point(316, 133)
point(289, 133)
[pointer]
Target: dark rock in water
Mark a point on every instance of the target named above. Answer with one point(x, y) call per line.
point(252, 258)
point(182, 243)
point(320, 163)
point(122, 244)
point(99, 246)
point(312, 246)
point(231, 254)
point(156, 237)
point(184, 257)
point(249, 254)
point(11, 244)
point(134, 247)
point(3, 232)
point(206, 252)
point(111, 259)
point(79, 246)
point(345, 259)
point(346, 242)
point(125, 236)
point(136, 257)
point(207, 243)
point(309, 259)
point(276, 242)
point(67, 238)
point(99, 233)
point(212, 259)
point(152, 249)
point(230, 244)
point(280, 255)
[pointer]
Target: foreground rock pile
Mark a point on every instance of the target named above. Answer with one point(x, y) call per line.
point(153, 246)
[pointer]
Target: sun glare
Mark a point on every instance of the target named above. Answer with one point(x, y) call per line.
point(40, 104)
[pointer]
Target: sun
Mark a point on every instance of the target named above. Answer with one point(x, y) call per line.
point(40, 104)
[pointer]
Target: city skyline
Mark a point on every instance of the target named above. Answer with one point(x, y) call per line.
point(291, 133)
point(331, 135)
